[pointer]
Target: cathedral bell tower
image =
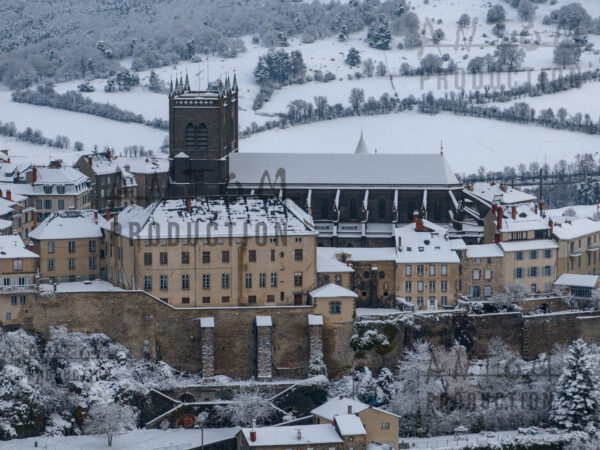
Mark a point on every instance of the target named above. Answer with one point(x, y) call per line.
point(203, 131)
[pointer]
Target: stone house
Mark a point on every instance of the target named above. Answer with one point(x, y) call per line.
point(482, 271)
point(332, 270)
point(335, 303)
point(381, 426)
point(71, 246)
point(222, 251)
point(17, 215)
point(578, 246)
point(151, 175)
point(18, 266)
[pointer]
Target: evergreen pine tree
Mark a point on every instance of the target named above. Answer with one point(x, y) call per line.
point(155, 84)
point(367, 388)
point(577, 395)
point(379, 35)
point(343, 34)
point(385, 381)
point(353, 57)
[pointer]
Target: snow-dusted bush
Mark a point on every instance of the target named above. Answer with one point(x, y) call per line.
point(110, 418)
point(248, 404)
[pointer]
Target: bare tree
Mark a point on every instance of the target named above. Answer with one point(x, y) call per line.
point(110, 418)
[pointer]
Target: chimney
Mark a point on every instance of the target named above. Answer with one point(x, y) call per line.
point(34, 220)
point(503, 187)
point(8, 195)
point(107, 213)
point(128, 168)
point(493, 183)
point(96, 217)
point(535, 208)
point(499, 217)
point(90, 161)
point(8, 160)
point(252, 435)
point(415, 216)
point(349, 409)
point(299, 434)
point(0, 193)
point(34, 175)
point(108, 153)
point(497, 237)
point(31, 247)
point(494, 208)
point(551, 225)
point(514, 213)
point(189, 204)
point(419, 225)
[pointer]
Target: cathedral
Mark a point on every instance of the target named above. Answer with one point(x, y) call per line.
point(354, 199)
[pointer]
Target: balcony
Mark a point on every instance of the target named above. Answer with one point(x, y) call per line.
point(575, 252)
point(593, 247)
point(17, 289)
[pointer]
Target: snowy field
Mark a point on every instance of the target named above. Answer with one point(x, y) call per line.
point(468, 142)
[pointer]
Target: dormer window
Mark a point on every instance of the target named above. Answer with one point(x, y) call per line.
point(421, 249)
point(47, 189)
point(60, 189)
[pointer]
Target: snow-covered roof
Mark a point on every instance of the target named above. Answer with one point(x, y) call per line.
point(339, 407)
point(144, 165)
point(211, 217)
point(264, 321)
point(102, 164)
point(457, 244)
point(350, 425)
point(576, 229)
point(63, 175)
point(19, 192)
point(12, 247)
point(315, 319)
point(573, 279)
point(72, 224)
point(341, 170)
point(80, 286)
point(332, 290)
point(484, 251)
point(362, 254)
point(429, 246)
point(526, 219)
point(327, 263)
point(6, 206)
point(293, 435)
point(537, 244)
point(501, 194)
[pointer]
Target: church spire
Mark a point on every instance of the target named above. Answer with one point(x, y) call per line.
point(171, 87)
point(235, 86)
point(187, 82)
point(362, 146)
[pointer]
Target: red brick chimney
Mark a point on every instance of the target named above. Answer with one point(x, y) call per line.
point(535, 208)
point(8, 195)
point(497, 237)
point(189, 204)
point(494, 208)
point(499, 217)
point(34, 175)
point(493, 183)
point(108, 153)
point(418, 221)
point(96, 217)
point(514, 213)
point(253, 435)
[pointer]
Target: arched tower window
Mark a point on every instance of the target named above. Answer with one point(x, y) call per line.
point(202, 138)
point(190, 137)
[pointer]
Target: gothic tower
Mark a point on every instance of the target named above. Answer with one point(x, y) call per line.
point(203, 131)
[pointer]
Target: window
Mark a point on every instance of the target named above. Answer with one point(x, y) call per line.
point(164, 282)
point(420, 286)
point(335, 307)
point(519, 272)
point(205, 257)
point(22, 299)
point(225, 256)
point(252, 299)
point(385, 425)
point(147, 282)
point(61, 204)
point(408, 286)
point(205, 300)
point(408, 270)
point(185, 300)
point(252, 255)
point(533, 254)
point(47, 204)
point(477, 260)
point(92, 245)
point(444, 300)
point(534, 272)
point(547, 271)
point(519, 256)
point(38, 204)
point(298, 279)
point(533, 288)
point(71, 263)
point(225, 299)
point(185, 281)
point(444, 286)
point(273, 279)
point(50, 264)
point(21, 281)
point(185, 257)
point(71, 246)
point(248, 280)
point(487, 274)
point(475, 291)
point(381, 274)
point(487, 291)
point(444, 270)
point(17, 264)
point(432, 286)
point(163, 258)
point(432, 270)
point(298, 254)
point(225, 280)
point(476, 274)
point(548, 253)
point(262, 280)
point(420, 301)
point(8, 316)
point(205, 281)
point(298, 239)
point(338, 279)
point(92, 262)
point(420, 269)
point(13, 299)
point(270, 298)
point(147, 259)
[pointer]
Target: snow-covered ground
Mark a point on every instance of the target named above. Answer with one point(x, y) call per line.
point(180, 439)
point(468, 142)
